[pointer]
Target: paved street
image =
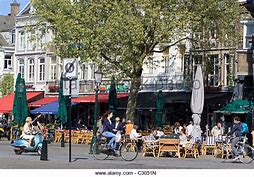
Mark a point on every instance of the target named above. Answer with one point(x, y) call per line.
point(58, 159)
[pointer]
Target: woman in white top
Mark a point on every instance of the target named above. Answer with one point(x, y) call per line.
point(27, 130)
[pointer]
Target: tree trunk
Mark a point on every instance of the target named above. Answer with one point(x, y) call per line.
point(132, 100)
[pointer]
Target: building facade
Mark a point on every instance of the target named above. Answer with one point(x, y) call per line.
point(7, 41)
point(39, 65)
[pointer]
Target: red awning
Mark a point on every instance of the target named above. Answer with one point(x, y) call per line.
point(43, 101)
point(6, 103)
point(102, 98)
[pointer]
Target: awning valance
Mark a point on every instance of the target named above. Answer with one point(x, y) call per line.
point(6, 103)
point(43, 101)
point(102, 98)
point(236, 107)
point(50, 108)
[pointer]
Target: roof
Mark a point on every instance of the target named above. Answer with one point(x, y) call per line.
point(25, 10)
point(7, 23)
point(43, 101)
point(6, 103)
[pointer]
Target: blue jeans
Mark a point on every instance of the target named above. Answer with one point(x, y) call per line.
point(112, 136)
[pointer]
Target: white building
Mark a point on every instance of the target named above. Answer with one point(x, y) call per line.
point(39, 65)
point(7, 40)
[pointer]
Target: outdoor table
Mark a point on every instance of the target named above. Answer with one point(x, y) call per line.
point(169, 145)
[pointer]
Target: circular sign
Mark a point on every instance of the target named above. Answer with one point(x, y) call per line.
point(69, 67)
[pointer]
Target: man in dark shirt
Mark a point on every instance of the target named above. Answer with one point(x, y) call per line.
point(236, 130)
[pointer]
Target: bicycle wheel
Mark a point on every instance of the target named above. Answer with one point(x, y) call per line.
point(247, 156)
point(100, 152)
point(129, 151)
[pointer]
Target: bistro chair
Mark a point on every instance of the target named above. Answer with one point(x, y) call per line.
point(209, 145)
point(149, 146)
point(191, 149)
point(58, 136)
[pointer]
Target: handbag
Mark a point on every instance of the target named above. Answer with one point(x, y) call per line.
point(118, 137)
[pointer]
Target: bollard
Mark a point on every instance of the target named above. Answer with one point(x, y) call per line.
point(44, 150)
point(62, 140)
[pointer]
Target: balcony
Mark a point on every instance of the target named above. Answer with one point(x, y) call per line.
point(87, 87)
point(166, 82)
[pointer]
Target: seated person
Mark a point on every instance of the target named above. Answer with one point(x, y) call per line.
point(177, 128)
point(27, 130)
point(183, 138)
point(159, 132)
point(128, 127)
point(217, 131)
point(136, 136)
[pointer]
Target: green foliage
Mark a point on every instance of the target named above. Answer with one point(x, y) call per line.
point(7, 85)
point(218, 20)
point(117, 35)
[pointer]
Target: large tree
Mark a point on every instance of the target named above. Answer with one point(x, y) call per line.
point(118, 35)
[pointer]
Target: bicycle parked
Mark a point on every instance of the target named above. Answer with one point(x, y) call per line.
point(128, 150)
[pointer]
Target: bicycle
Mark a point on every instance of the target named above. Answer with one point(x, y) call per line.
point(127, 150)
point(245, 151)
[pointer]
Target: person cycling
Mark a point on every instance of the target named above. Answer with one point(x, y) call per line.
point(236, 130)
point(108, 129)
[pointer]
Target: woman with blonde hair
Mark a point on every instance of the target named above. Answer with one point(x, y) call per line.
point(27, 130)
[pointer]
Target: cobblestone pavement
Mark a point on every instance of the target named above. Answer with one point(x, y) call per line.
point(58, 159)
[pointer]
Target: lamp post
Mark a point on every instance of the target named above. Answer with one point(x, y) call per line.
point(20, 93)
point(98, 78)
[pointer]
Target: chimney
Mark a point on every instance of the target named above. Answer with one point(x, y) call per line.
point(14, 8)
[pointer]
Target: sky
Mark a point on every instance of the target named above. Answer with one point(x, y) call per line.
point(5, 7)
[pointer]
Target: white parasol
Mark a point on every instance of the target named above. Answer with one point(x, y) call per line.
point(197, 102)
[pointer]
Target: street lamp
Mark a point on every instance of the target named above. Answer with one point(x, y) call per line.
point(97, 78)
point(20, 93)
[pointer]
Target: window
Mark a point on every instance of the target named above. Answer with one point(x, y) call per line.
point(7, 62)
point(41, 40)
point(214, 70)
point(31, 41)
point(169, 63)
point(41, 69)
point(53, 68)
point(21, 40)
point(31, 69)
point(22, 67)
point(13, 37)
point(84, 71)
point(228, 77)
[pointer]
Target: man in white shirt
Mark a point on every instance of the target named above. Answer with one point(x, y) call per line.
point(134, 134)
point(189, 129)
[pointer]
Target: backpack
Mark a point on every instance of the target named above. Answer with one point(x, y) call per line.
point(244, 129)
